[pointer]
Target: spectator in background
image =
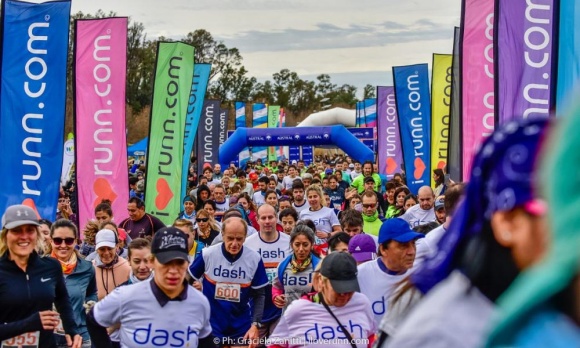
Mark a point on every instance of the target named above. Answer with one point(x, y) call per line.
point(398, 209)
point(439, 179)
point(140, 224)
point(424, 211)
point(64, 210)
point(440, 214)
point(338, 242)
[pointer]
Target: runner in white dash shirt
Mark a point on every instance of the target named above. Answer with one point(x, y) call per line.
point(273, 247)
point(323, 217)
point(379, 278)
point(338, 316)
point(234, 281)
point(163, 311)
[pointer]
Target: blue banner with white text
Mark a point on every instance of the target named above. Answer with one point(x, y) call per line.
point(194, 108)
point(414, 110)
point(32, 103)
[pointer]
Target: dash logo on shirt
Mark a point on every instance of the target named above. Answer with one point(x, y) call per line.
point(328, 332)
point(292, 280)
point(148, 336)
point(272, 254)
point(229, 273)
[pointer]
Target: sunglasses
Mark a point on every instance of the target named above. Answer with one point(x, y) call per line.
point(369, 205)
point(67, 241)
point(202, 219)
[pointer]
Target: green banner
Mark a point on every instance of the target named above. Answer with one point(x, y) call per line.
point(273, 118)
point(173, 79)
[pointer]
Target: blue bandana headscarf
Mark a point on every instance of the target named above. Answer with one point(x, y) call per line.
point(502, 178)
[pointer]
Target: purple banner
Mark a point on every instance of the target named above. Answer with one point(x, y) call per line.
point(389, 136)
point(525, 39)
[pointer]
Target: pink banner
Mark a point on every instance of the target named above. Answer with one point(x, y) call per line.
point(477, 77)
point(101, 146)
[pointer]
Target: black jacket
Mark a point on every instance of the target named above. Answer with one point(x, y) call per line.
point(24, 294)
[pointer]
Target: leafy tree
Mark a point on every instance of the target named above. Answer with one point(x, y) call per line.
point(369, 92)
point(216, 53)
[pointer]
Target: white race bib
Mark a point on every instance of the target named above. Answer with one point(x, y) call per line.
point(227, 292)
point(26, 340)
point(271, 273)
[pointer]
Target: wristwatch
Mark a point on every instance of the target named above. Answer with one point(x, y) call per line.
point(258, 325)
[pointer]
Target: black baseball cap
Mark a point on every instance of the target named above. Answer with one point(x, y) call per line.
point(169, 243)
point(369, 179)
point(340, 268)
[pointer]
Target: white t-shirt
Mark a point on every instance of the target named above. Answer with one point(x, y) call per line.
point(144, 322)
point(288, 181)
point(354, 174)
point(299, 209)
point(324, 218)
point(377, 285)
point(272, 253)
point(416, 216)
point(258, 198)
point(308, 324)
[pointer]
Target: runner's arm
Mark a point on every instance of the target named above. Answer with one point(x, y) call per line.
point(99, 336)
point(259, 296)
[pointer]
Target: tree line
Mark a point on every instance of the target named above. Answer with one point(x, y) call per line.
point(230, 81)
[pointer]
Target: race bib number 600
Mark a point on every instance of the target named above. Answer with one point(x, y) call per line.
point(26, 340)
point(227, 292)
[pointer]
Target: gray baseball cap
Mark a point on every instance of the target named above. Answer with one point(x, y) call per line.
point(19, 215)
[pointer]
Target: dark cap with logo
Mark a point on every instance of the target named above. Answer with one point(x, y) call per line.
point(341, 269)
point(169, 243)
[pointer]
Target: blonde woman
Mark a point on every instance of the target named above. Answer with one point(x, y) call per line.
point(27, 314)
point(206, 228)
point(323, 217)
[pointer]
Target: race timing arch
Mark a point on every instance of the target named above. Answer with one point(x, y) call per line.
point(338, 136)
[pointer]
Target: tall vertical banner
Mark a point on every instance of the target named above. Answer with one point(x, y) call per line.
point(32, 102)
point(259, 120)
point(68, 159)
point(440, 109)
point(477, 69)
point(273, 119)
point(244, 156)
point(359, 113)
point(370, 113)
point(414, 110)
point(568, 84)
point(283, 150)
point(526, 75)
point(389, 137)
point(223, 126)
point(198, 88)
point(171, 90)
point(208, 141)
point(454, 154)
point(100, 74)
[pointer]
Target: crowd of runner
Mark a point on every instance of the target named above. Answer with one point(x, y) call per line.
point(288, 255)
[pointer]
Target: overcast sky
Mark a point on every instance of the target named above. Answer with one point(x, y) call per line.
point(355, 42)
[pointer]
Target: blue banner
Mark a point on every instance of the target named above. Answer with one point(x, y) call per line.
point(293, 153)
point(307, 155)
point(568, 56)
point(259, 120)
point(414, 109)
point(198, 88)
point(370, 113)
point(208, 141)
point(32, 103)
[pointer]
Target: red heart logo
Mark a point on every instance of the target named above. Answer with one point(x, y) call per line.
point(419, 168)
point(102, 188)
point(391, 165)
point(441, 164)
point(30, 203)
point(164, 194)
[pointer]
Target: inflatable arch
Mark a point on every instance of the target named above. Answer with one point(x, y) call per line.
point(293, 136)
